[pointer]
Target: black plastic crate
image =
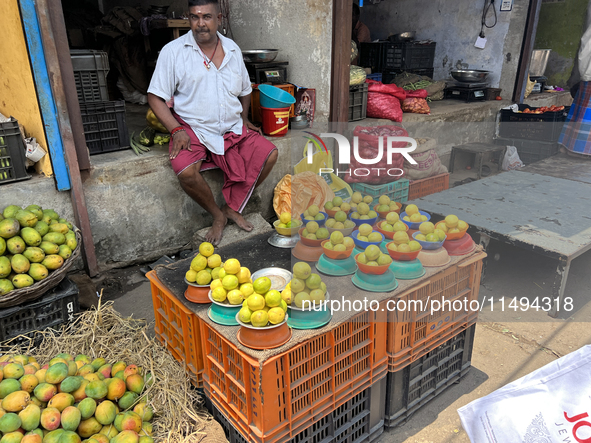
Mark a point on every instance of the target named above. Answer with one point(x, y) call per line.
point(57, 307)
point(388, 76)
point(104, 126)
point(90, 74)
point(359, 420)
point(408, 55)
point(530, 151)
point(543, 127)
point(13, 162)
point(358, 102)
point(370, 56)
point(417, 384)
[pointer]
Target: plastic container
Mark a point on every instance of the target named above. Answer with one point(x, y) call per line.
point(358, 102)
point(255, 102)
point(403, 256)
point(320, 222)
point(364, 244)
point(177, 328)
point(542, 127)
point(346, 232)
point(268, 337)
point(336, 255)
point(411, 388)
point(463, 246)
point(397, 190)
point(307, 253)
point(428, 245)
point(90, 74)
point(377, 76)
point(275, 121)
point(13, 162)
point(288, 232)
point(331, 213)
point(383, 214)
point(385, 282)
point(388, 234)
point(453, 235)
point(414, 225)
point(530, 151)
point(311, 379)
point(358, 222)
point(275, 98)
point(407, 270)
point(408, 55)
point(104, 125)
point(428, 186)
point(57, 307)
point(359, 419)
point(372, 270)
point(434, 258)
point(414, 331)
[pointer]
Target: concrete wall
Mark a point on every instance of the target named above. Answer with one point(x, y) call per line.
point(560, 29)
point(301, 30)
point(455, 27)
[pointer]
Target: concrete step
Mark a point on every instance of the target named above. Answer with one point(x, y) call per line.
point(234, 234)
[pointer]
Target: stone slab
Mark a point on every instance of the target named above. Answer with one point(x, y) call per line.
point(234, 234)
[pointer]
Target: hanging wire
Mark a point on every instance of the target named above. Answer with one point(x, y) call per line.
point(225, 10)
point(485, 12)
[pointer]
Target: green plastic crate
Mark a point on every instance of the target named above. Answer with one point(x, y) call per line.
point(397, 191)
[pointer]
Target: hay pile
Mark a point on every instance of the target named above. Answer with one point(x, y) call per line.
point(178, 416)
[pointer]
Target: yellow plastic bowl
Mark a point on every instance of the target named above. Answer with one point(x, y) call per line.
point(288, 232)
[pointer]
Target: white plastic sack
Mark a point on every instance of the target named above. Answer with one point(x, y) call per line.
point(131, 96)
point(550, 405)
point(511, 160)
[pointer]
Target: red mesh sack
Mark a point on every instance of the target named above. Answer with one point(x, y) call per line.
point(416, 106)
point(383, 101)
point(368, 149)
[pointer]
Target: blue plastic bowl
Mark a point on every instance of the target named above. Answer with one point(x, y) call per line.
point(364, 244)
point(272, 97)
point(320, 222)
point(429, 244)
point(411, 225)
point(359, 222)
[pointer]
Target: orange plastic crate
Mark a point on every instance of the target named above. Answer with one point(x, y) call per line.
point(428, 186)
point(413, 332)
point(273, 401)
point(178, 329)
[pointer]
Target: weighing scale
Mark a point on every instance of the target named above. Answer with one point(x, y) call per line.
point(336, 268)
point(375, 283)
point(468, 92)
point(267, 72)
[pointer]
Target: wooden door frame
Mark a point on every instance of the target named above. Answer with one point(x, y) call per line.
point(529, 37)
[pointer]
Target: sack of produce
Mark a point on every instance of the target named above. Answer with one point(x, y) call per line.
point(435, 88)
point(369, 142)
point(418, 93)
point(428, 165)
point(405, 78)
point(357, 75)
point(383, 101)
point(416, 106)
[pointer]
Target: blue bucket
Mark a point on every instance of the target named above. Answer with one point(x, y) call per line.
point(272, 97)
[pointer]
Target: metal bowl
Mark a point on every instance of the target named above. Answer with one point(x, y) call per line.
point(260, 55)
point(470, 75)
point(403, 36)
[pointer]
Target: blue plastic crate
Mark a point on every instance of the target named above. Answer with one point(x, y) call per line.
point(377, 76)
point(397, 190)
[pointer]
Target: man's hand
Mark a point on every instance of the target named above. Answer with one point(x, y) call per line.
point(251, 126)
point(181, 140)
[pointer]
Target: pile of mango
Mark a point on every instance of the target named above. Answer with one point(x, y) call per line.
point(33, 242)
point(73, 400)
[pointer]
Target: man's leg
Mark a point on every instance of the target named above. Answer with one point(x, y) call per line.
point(237, 217)
point(195, 186)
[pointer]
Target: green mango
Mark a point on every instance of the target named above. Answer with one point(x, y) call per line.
point(31, 236)
point(34, 255)
point(26, 218)
point(5, 267)
point(9, 227)
point(49, 247)
point(20, 264)
point(42, 228)
point(5, 286)
point(10, 211)
point(22, 281)
point(38, 271)
point(54, 237)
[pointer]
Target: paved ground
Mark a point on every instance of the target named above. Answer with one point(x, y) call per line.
point(507, 345)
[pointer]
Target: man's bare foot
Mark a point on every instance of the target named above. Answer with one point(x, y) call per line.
point(237, 218)
point(214, 235)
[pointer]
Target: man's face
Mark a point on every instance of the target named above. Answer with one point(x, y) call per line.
point(204, 21)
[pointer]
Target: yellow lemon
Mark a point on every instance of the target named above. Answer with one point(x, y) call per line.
point(206, 249)
point(232, 266)
point(219, 294)
point(221, 273)
point(400, 237)
point(384, 260)
point(216, 283)
point(372, 252)
point(440, 234)
point(199, 263)
point(243, 275)
point(273, 298)
point(451, 221)
point(259, 318)
point(298, 285)
point(365, 229)
point(285, 217)
point(191, 276)
point(392, 217)
point(283, 305)
point(203, 278)
point(262, 285)
point(301, 298)
point(421, 237)
point(411, 209)
point(255, 302)
point(276, 315)
point(244, 315)
point(384, 200)
point(462, 225)
point(235, 297)
point(357, 197)
point(415, 218)
point(443, 227)
point(404, 248)
point(361, 258)
point(229, 282)
point(424, 218)
point(246, 289)
point(392, 246)
point(426, 228)
point(215, 272)
point(214, 261)
point(414, 246)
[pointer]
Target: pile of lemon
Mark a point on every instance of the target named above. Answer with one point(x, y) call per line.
point(263, 306)
point(313, 231)
point(401, 242)
point(285, 221)
point(339, 243)
point(337, 204)
point(429, 233)
point(392, 223)
point(205, 267)
point(233, 283)
point(340, 221)
point(453, 224)
point(373, 256)
point(386, 204)
point(413, 215)
point(313, 213)
point(367, 234)
point(307, 286)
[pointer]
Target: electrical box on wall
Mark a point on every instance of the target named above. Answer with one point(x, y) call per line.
point(506, 5)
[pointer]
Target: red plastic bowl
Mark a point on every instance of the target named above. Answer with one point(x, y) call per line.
point(455, 235)
point(383, 214)
point(308, 241)
point(332, 213)
point(388, 234)
point(337, 255)
point(375, 270)
point(403, 256)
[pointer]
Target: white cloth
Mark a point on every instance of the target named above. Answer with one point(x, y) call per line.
point(206, 99)
point(585, 56)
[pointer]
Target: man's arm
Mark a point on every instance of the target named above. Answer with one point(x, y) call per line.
point(181, 139)
point(363, 34)
point(245, 102)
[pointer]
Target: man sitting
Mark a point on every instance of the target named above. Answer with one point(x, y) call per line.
point(205, 74)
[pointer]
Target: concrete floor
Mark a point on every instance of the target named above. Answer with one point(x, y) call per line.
point(507, 345)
